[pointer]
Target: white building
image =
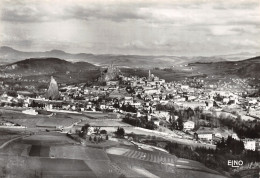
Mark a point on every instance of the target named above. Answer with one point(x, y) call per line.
point(249, 144)
point(189, 125)
point(151, 91)
point(129, 99)
point(206, 135)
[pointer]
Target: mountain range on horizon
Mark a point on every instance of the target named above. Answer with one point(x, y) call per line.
point(9, 55)
point(73, 72)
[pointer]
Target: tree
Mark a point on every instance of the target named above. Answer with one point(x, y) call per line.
point(150, 125)
point(106, 137)
point(12, 93)
point(90, 138)
point(95, 139)
point(97, 129)
point(180, 123)
point(103, 132)
point(84, 130)
point(196, 137)
point(120, 132)
point(122, 176)
point(173, 125)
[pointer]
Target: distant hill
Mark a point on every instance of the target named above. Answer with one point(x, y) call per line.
point(208, 59)
point(244, 68)
point(10, 55)
point(35, 66)
point(249, 67)
point(43, 68)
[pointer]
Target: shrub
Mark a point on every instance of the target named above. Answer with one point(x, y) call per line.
point(103, 132)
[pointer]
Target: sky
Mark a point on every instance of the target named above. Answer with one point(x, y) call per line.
point(141, 27)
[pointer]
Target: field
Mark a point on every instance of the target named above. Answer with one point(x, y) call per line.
point(52, 154)
point(56, 122)
point(39, 120)
point(55, 155)
point(39, 151)
point(78, 152)
point(163, 170)
point(105, 123)
point(5, 137)
point(102, 168)
point(169, 137)
point(144, 155)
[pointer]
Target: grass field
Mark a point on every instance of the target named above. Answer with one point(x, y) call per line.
point(78, 152)
point(15, 148)
point(39, 120)
point(105, 123)
point(56, 122)
point(143, 155)
point(47, 140)
point(37, 152)
point(56, 156)
point(162, 170)
point(40, 151)
point(6, 137)
point(31, 167)
point(102, 168)
point(52, 154)
point(132, 162)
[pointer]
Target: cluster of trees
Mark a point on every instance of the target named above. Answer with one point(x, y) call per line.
point(36, 105)
point(12, 93)
point(130, 90)
point(176, 124)
point(97, 139)
point(13, 104)
point(244, 129)
point(126, 107)
point(84, 131)
point(214, 159)
point(231, 145)
point(120, 132)
point(140, 122)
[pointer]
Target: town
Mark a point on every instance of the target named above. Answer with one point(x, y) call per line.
point(193, 112)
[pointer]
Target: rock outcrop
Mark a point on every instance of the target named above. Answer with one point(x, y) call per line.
point(53, 91)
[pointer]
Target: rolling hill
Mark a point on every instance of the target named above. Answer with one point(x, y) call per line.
point(42, 68)
point(9, 55)
point(37, 66)
point(244, 68)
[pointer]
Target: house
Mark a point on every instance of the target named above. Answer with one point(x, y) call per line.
point(151, 91)
point(116, 94)
point(90, 130)
point(249, 144)
point(129, 99)
point(112, 83)
point(162, 115)
point(184, 87)
point(225, 100)
point(206, 135)
point(157, 122)
point(192, 105)
point(189, 125)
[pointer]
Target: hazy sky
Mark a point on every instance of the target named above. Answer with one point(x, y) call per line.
point(176, 27)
